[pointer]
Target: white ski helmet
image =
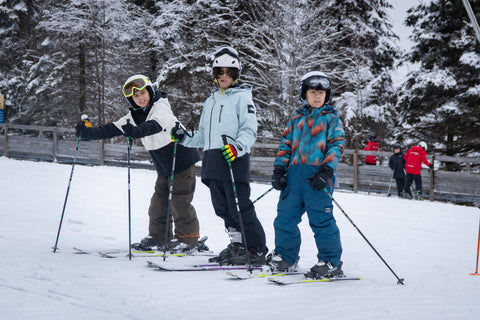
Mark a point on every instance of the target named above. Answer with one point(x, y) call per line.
point(423, 144)
point(226, 57)
point(315, 80)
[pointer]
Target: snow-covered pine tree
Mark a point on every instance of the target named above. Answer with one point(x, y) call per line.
point(366, 48)
point(441, 99)
point(17, 39)
point(89, 48)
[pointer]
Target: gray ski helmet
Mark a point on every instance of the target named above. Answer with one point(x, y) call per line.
point(315, 80)
point(397, 146)
point(137, 82)
point(226, 57)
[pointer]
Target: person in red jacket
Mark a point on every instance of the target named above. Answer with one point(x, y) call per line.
point(373, 146)
point(413, 167)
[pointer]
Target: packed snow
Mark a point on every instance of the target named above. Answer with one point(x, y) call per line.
point(431, 245)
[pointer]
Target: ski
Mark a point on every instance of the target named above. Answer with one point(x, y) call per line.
point(144, 254)
point(137, 254)
point(111, 252)
point(200, 267)
point(261, 274)
point(284, 282)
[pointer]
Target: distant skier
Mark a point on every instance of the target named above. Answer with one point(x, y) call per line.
point(372, 145)
point(150, 119)
point(304, 171)
point(397, 164)
point(413, 166)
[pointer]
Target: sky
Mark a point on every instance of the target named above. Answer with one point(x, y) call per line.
point(431, 245)
point(397, 16)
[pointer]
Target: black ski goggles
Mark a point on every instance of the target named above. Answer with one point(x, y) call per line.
point(225, 51)
point(135, 85)
point(318, 82)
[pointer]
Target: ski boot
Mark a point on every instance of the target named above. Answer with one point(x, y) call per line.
point(325, 270)
point(146, 244)
point(278, 265)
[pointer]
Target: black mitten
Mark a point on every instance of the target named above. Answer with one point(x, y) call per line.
point(320, 179)
point(279, 181)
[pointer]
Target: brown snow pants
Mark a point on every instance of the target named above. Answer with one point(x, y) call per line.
point(182, 213)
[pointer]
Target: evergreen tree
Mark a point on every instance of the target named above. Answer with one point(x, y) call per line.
point(440, 99)
point(17, 39)
point(89, 48)
point(365, 48)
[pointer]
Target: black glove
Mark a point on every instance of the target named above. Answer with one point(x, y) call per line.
point(81, 131)
point(129, 130)
point(279, 181)
point(431, 166)
point(177, 133)
point(320, 179)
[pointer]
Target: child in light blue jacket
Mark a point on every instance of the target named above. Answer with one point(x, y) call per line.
point(229, 112)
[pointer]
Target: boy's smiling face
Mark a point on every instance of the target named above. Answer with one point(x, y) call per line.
point(315, 98)
point(141, 98)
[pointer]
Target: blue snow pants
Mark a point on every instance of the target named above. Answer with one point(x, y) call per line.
point(297, 198)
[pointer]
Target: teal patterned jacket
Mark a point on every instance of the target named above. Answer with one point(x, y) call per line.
point(315, 138)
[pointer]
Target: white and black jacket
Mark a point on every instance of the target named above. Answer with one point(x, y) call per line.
point(154, 124)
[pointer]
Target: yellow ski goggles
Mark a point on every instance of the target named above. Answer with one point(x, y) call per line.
point(134, 85)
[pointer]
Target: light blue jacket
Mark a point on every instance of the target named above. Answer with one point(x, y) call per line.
point(230, 113)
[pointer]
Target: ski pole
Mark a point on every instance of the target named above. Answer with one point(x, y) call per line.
point(263, 194)
point(240, 219)
point(400, 281)
point(478, 251)
point(390, 185)
point(66, 195)
point(129, 143)
point(260, 197)
point(170, 192)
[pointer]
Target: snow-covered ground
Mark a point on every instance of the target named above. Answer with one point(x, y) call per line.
point(432, 245)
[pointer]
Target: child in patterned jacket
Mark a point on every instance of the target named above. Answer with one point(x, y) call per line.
point(310, 149)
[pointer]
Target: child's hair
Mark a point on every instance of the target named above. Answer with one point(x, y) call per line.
point(232, 72)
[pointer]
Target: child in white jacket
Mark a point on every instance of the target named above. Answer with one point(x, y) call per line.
point(151, 119)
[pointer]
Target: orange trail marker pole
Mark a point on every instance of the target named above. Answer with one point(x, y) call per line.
point(478, 251)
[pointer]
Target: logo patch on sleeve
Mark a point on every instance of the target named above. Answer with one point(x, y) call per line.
point(251, 108)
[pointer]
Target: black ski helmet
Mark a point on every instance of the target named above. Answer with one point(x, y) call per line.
point(397, 146)
point(315, 80)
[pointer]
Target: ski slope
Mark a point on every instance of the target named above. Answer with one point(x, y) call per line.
point(432, 245)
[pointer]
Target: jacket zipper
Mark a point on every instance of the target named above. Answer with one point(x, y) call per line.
point(210, 127)
point(220, 115)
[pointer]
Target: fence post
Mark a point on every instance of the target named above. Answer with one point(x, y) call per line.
point(355, 171)
point(5, 146)
point(102, 151)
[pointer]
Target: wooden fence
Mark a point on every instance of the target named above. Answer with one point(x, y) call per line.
point(58, 144)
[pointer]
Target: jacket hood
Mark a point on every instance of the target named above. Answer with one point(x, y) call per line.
point(234, 88)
